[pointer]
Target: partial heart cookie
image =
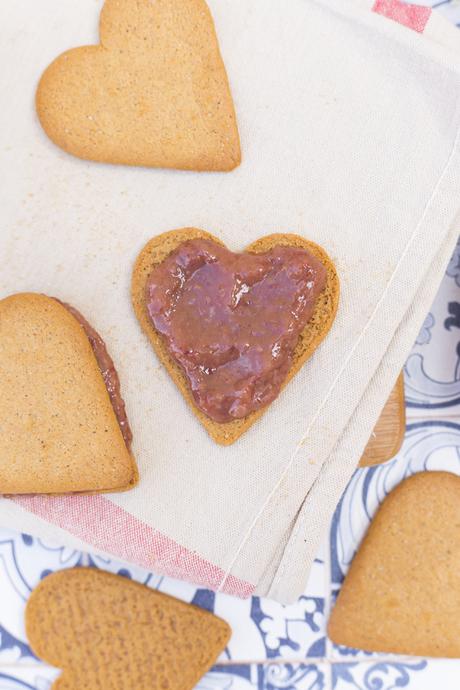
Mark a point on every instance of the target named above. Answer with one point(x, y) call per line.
point(402, 592)
point(154, 92)
point(64, 427)
point(106, 632)
point(233, 329)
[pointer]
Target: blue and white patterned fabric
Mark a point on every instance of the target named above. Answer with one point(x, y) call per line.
point(432, 372)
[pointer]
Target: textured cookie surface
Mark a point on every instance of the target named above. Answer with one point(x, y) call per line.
point(58, 430)
point(402, 593)
point(106, 633)
point(323, 316)
point(153, 93)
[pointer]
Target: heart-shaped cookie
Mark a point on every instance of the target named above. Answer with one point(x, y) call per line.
point(153, 93)
point(310, 337)
point(59, 432)
point(107, 633)
point(402, 592)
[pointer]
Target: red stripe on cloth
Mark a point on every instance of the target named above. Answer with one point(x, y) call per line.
point(413, 16)
point(99, 522)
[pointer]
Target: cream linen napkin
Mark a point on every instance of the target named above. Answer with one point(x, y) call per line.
point(349, 123)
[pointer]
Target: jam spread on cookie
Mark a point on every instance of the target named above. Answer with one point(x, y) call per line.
point(108, 371)
point(232, 321)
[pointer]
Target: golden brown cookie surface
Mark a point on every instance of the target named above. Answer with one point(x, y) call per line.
point(402, 592)
point(316, 330)
point(59, 432)
point(106, 632)
point(154, 92)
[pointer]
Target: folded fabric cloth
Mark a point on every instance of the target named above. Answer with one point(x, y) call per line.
point(349, 115)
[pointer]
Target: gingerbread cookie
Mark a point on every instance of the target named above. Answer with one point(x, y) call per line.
point(153, 93)
point(106, 632)
point(311, 336)
point(64, 427)
point(402, 592)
